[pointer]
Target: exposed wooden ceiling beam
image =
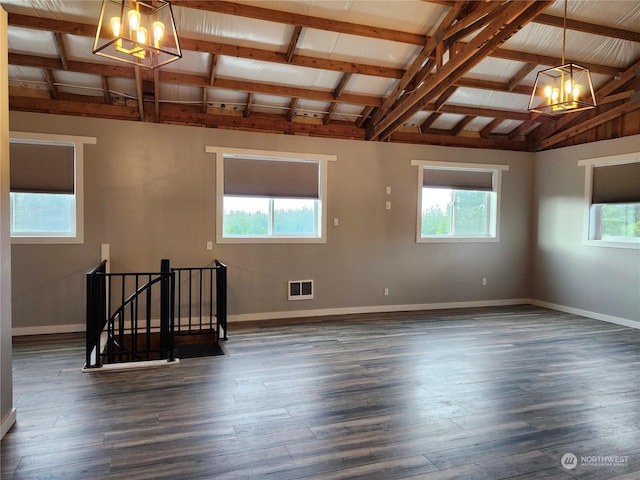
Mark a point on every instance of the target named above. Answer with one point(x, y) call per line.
point(342, 84)
point(457, 129)
point(307, 21)
point(430, 120)
point(63, 107)
point(332, 108)
point(599, 119)
point(51, 83)
point(293, 42)
point(418, 63)
point(460, 141)
point(364, 115)
point(480, 112)
point(586, 27)
point(62, 51)
point(490, 127)
point(514, 15)
point(520, 74)
point(60, 26)
point(249, 109)
point(212, 68)
point(292, 108)
point(105, 89)
point(193, 80)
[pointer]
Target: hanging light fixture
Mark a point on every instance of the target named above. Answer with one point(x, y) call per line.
point(140, 32)
point(562, 89)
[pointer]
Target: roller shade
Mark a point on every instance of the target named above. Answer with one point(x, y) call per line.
point(457, 179)
point(270, 178)
point(616, 183)
point(38, 168)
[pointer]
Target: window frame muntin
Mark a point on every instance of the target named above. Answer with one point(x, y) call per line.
point(590, 164)
point(496, 171)
point(271, 155)
point(78, 143)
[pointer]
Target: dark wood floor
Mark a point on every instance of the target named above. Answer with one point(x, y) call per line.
point(499, 393)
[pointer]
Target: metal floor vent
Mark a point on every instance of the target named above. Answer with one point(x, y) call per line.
point(300, 289)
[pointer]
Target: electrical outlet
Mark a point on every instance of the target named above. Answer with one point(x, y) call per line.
point(388, 205)
point(386, 292)
point(484, 281)
point(388, 190)
point(336, 222)
point(209, 245)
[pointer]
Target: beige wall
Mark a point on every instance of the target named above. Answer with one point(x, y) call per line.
point(149, 193)
point(602, 280)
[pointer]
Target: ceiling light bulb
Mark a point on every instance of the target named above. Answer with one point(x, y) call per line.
point(142, 35)
point(547, 91)
point(134, 19)
point(158, 33)
point(115, 26)
point(576, 92)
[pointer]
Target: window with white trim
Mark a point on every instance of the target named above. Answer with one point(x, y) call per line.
point(458, 201)
point(612, 197)
point(270, 197)
point(46, 188)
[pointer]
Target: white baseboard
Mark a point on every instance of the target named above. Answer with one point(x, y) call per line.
point(47, 329)
point(7, 422)
point(586, 313)
point(248, 317)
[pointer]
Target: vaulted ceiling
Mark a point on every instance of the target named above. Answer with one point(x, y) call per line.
point(456, 73)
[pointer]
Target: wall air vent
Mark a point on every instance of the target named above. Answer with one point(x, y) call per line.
point(300, 289)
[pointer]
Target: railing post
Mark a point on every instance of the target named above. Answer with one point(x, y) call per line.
point(95, 313)
point(166, 348)
point(90, 321)
point(221, 297)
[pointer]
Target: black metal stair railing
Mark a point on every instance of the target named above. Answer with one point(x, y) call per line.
point(132, 316)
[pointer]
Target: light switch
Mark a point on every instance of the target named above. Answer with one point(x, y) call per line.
point(209, 245)
point(388, 190)
point(336, 222)
point(388, 205)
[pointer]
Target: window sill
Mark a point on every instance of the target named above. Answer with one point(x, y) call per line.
point(47, 240)
point(458, 240)
point(608, 244)
point(280, 240)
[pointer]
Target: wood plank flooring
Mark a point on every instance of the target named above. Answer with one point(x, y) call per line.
point(496, 393)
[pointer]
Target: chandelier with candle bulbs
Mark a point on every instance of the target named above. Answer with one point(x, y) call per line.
point(563, 89)
point(140, 32)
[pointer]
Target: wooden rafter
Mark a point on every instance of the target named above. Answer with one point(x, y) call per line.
point(62, 51)
point(599, 119)
point(327, 117)
point(514, 15)
point(459, 127)
point(342, 84)
point(292, 108)
point(105, 89)
point(364, 116)
point(490, 127)
point(51, 83)
point(249, 108)
point(468, 17)
point(520, 74)
point(293, 42)
point(431, 119)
